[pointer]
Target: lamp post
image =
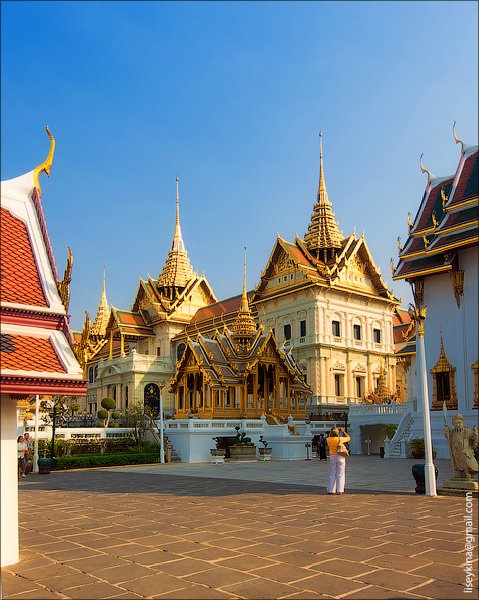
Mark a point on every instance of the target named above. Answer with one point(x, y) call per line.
point(58, 405)
point(162, 440)
point(418, 316)
point(368, 442)
point(307, 446)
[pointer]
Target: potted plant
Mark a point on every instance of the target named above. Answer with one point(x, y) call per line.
point(44, 464)
point(264, 452)
point(217, 454)
point(418, 450)
point(420, 478)
point(242, 448)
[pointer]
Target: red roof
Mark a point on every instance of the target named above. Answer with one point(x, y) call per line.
point(20, 281)
point(467, 186)
point(27, 353)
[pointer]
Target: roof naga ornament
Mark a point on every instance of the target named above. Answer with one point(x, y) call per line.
point(46, 164)
point(393, 266)
point(400, 248)
point(444, 198)
point(434, 219)
point(63, 286)
point(424, 170)
point(409, 222)
point(457, 140)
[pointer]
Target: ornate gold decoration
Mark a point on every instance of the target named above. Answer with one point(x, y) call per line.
point(393, 266)
point(457, 277)
point(46, 165)
point(457, 140)
point(443, 372)
point(284, 265)
point(409, 222)
point(434, 220)
point(400, 248)
point(424, 170)
point(63, 286)
point(426, 242)
point(444, 198)
point(98, 329)
point(418, 316)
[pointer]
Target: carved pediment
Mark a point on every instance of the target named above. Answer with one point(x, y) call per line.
point(360, 368)
point(283, 264)
point(339, 366)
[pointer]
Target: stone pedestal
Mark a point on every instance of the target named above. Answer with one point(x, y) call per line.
point(459, 486)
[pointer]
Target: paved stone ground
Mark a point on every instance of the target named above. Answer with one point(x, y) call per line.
point(237, 531)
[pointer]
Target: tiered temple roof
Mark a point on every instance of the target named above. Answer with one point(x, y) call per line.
point(446, 221)
point(36, 340)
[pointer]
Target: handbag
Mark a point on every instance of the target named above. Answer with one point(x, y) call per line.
point(341, 449)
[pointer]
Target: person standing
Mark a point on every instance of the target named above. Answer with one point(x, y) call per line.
point(21, 456)
point(337, 464)
point(322, 447)
point(26, 458)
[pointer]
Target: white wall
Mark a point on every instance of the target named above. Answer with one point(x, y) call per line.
point(9, 482)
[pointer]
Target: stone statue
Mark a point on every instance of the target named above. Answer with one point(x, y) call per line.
point(462, 443)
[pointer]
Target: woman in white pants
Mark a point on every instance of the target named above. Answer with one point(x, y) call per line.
point(337, 464)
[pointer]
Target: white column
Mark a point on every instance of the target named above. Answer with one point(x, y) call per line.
point(35, 447)
point(162, 442)
point(9, 482)
point(429, 471)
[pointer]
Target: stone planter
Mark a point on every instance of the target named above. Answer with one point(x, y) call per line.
point(44, 465)
point(217, 456)
point(418, 474)
point(265, 453)
point(242, 453)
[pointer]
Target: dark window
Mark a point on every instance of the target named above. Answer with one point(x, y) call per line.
point(274, 333)
point(302, 328)
point(336, 329)
point(359, 387)
point(443, 387)
point(126, 397)
point(90, 374)
point(357, 332)
point(337, 385)
point(158, 351)
point(287, 332)
point(377, 335)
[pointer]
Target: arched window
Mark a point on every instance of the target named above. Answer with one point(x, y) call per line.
point(151, 398)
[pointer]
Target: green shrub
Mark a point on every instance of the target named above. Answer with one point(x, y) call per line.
point(102, 414)
point(108, 403)
point(104, 460)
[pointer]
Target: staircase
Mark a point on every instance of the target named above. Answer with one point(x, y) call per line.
point(169, 449)
point(396, 448)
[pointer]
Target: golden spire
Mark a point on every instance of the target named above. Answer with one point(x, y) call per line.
point(177, 270)
point(103, 313)
point(323, 236)
point(244, 326)
point(46, 164)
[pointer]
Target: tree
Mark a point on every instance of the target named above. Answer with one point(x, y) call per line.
point(108, 404)
point(140, 422)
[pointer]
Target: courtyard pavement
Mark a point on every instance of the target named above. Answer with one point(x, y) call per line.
point(252, 530)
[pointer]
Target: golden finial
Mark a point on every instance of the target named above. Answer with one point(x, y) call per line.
point(458, 141)
point(400, 248)
point(426, 242)
point(424, 170)
point(409, 222)
point(393, 266)
point(434, 220)
point(322, 184)
point(46, 164)
point(444, 198)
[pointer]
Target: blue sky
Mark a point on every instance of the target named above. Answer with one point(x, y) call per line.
point(229, 97)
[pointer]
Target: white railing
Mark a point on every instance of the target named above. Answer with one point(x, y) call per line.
point(377, 409)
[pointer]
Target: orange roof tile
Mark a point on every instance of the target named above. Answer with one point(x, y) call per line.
point(20, 281)
point(26, 353)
